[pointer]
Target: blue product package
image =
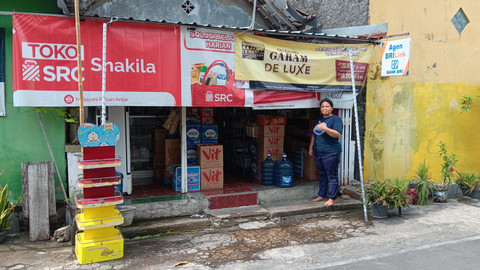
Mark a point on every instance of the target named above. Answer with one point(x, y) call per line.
point(209, 134)
point(194, 132)
point(191, 154)
point(193, 178)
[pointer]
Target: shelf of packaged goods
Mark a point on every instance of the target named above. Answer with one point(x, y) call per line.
point(114, 219)
point(82, 202)
point(98, 249)
point(99, 163)
point(98, 182)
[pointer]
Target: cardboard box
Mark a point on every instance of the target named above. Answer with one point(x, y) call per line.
point(160, 134)
point(278, 120)
point(193, 178)
point(275, 151)
point(309, 169)
point(211, 178)
point(206, 120)
point(172, 152)
point(209, 134)
point(159, 160)
point(263, 120)
point(194, 132)
point(270, 142)
point(206, 111)
point(271, 130)
point(210, 155)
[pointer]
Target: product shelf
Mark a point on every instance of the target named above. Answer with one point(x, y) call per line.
point(99, 163)
point(98, 182)
point(99, 249)
point(106, 221)
point(82, 202)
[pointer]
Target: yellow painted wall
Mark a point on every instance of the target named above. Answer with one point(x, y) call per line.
point(408, 116)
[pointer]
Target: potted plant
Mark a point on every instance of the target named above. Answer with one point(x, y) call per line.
point(424, 187)
point(387, 194)
point(6, 211)
point(467, 181)
point(448, 165)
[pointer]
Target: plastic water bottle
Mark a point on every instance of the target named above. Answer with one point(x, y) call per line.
point(221, 75)
point(268, 171)
point(318, 131)
point(284, 172)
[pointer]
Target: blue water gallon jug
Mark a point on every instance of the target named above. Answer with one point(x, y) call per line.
point(284, 172)
point(268, 171)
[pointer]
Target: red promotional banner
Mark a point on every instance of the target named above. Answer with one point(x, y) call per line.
point(142, 63)
point(208, 74)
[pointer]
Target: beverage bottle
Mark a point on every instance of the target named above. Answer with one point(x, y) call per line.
point(284, 172)
point(202, 73)
point(268, 171)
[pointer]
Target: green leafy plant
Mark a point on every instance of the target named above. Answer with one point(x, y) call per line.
point(69, 115)
point(424, 187)
point(470, 180)
point(6, 207)
point(390, 192)
point(467, 103)
point(448, 165)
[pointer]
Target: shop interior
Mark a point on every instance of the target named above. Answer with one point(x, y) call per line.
point(237, 133)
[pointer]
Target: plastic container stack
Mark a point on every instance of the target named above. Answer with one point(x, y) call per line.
point(98, 239)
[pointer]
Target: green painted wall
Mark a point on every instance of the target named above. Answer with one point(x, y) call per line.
point(21, 136)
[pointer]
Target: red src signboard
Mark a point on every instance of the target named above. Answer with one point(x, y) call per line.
point(142, 63)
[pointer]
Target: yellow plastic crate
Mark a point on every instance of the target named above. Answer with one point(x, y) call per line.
point(112, 219)
point(98, 250)
point(99, 212)
point(94, 234)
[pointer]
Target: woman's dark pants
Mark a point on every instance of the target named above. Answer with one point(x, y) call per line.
point(328, 175)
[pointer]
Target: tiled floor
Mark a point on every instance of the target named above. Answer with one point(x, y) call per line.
point(237, 191)
point(233, 184)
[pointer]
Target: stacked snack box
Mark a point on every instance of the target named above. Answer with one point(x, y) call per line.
point(159, 137)
point(172, 157)
point(98, 239)
point(271, 139)
point(210, 159)
point(310, 171)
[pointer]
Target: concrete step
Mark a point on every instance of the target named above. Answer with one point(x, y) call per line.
point(227, 217)
point(235, 197)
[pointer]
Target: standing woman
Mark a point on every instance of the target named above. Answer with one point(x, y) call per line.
point(326, 149)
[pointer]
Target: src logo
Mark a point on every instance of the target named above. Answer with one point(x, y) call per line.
point(30, 71)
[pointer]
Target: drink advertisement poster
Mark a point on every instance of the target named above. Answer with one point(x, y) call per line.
point(208, 75)
point(142, 63)
point(275, 64)
point(396, 57)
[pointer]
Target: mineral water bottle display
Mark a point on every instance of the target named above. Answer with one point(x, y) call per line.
point(268, 171)
point(284, 172)
point(221, 75)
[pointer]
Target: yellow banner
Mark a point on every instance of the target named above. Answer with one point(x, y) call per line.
point(287, 65)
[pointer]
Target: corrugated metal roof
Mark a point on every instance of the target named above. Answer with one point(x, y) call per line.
point(271, 32)
point(281, 11)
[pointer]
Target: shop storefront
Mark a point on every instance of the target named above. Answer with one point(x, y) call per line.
point(172, 88)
